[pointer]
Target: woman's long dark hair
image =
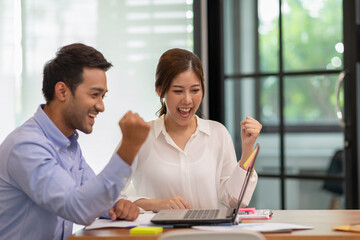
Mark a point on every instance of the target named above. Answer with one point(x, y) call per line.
point(172, 63)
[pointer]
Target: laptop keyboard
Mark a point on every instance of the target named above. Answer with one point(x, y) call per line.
point(201, 214)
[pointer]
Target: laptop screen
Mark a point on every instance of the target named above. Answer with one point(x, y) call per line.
point(250, 163)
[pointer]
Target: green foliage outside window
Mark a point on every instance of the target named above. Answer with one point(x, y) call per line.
point(311, 41)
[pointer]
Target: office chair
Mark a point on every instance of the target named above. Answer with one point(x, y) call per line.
point(236, 234)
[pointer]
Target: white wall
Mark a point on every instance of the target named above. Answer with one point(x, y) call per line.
point(132, 34)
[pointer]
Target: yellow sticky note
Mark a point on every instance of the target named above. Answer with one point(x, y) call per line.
point(146, 230)
point(349, 228)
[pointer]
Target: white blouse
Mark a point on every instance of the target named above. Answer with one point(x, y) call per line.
point(206, 173)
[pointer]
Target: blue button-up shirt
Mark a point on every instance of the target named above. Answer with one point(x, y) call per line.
point(46, 185)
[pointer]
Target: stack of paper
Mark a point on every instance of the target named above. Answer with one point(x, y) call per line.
point(256, 214)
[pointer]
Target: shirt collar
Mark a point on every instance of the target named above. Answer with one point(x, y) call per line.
point(51, 131)
point(202, 126)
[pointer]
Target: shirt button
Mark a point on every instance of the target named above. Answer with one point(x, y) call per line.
point(125, 178)
point(65, 226)
point(111, 202)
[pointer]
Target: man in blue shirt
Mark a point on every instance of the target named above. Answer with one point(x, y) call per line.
point(45, 183)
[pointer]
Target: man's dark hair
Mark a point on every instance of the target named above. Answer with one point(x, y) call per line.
point(68, 66)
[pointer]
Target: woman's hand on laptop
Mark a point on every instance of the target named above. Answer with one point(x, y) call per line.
point(156, 205)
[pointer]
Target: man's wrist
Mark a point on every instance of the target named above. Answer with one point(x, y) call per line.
point(128, 152)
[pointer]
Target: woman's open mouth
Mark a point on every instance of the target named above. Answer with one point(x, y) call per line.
point(184, 112)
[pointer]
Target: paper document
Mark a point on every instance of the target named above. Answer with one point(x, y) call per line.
point(142, 220)
point(258, 227)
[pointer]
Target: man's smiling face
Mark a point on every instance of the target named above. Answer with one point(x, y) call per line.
point(87, 101)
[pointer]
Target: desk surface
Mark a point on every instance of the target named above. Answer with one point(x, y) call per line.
point(321, 220)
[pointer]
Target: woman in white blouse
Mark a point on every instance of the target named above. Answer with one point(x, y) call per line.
point(186, 161)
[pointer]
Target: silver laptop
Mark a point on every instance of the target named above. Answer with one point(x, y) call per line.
point(189, 217)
